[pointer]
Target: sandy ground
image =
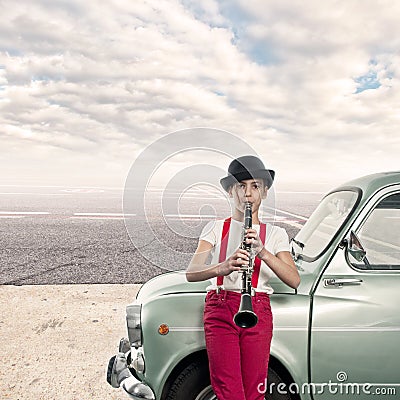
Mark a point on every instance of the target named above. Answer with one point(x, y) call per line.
point(56, 340)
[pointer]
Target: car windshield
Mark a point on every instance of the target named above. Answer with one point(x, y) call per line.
point(324, 222)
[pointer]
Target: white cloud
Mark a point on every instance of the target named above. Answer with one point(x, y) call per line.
point(97, 82)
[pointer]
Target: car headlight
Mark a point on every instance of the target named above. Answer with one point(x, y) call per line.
point(133, 324)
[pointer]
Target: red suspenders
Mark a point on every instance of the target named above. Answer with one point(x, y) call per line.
point(224, 245)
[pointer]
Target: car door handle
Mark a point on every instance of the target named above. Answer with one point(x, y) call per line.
point(340, 282)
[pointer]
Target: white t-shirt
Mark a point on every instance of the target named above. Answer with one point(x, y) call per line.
point(276, 240)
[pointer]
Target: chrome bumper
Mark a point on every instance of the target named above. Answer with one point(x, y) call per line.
point(118, 375)
point(137, 390)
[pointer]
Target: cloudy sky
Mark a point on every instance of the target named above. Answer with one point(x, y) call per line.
point(86, 86)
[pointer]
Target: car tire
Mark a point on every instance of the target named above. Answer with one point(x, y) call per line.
point(275, 380)
point(193, 383)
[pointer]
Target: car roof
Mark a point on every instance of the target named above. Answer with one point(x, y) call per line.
point(369, 184)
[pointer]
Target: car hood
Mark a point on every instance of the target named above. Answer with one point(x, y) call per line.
point(171, 282)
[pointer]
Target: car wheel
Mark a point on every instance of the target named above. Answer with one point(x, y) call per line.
point(207, 394)
point(276, 381)
point(193, 383)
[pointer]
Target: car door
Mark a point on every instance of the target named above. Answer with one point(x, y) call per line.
point(355, 325)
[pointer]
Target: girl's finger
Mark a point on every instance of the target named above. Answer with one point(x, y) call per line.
point(251, 235)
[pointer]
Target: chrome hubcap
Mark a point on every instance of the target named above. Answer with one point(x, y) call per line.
point(206, 394)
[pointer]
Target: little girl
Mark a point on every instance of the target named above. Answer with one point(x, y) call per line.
point(238, 357)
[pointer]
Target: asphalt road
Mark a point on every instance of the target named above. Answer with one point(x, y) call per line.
point(59, 235)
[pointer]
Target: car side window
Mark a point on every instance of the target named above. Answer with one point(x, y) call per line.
point(380, 236)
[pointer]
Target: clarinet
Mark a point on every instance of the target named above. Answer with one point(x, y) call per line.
point(246, 317)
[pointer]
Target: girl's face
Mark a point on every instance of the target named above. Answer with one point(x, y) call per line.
point(252, 190)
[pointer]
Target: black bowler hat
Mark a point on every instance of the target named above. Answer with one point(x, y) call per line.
point(247, 167)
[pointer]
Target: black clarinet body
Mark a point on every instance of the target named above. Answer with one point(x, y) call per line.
point(246, 317)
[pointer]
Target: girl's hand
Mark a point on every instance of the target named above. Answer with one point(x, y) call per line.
point(238, 259)
point(253, 239)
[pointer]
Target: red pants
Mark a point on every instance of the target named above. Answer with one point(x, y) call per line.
point(238, 357)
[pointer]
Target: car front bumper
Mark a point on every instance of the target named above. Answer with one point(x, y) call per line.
point(137, 390)
point(119, 375)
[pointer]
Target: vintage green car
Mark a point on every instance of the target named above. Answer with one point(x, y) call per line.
point(337, 334)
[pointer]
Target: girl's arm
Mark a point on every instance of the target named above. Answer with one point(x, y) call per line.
point(198, 270)
point(283, 265)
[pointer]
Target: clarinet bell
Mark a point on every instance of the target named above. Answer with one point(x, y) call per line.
point(245, 317)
